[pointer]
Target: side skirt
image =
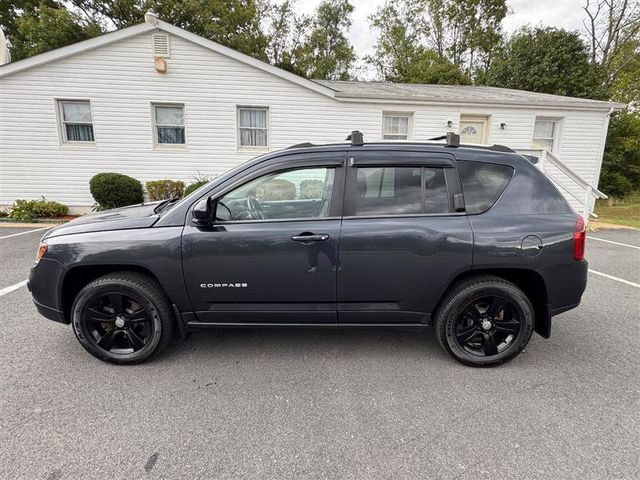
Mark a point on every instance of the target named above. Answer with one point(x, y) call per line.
point(204, 325)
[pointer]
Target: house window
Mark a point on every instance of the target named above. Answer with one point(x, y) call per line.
point(395, 126)
point(169, 124)
point(253, 130)
point(75, 121)
point(544, 134)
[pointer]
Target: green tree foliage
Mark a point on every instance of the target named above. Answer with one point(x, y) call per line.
point(33, 28)
point(436, 41)
point(621, 164)
point(233, 23)
point(313, 46)
point(327, 53)
point(547, 60)
point(625, 87)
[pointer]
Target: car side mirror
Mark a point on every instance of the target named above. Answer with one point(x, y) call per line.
point(458, 202)
point(201, 213)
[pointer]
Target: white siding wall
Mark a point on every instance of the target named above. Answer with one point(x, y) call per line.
point(121, 83)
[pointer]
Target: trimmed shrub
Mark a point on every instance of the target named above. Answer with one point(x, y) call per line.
point(278, 189)
point(28, 210)
point(194, 186)
point(4, 213)
point(311, 189)
point(113, 190)
point(163, 189)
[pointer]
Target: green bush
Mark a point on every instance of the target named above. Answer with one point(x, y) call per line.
point(278, 189)
point(615, 184)
point(194, 186)
point(28, 210)
point(311, 189)
point(163, 189)
point(113, 190)
point(4, 213)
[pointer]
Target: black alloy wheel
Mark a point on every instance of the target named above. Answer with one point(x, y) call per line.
point(117, 323)
point(123, 317)
point(487, 326)
point(484, 321)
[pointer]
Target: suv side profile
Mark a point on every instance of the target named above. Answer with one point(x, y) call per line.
point(472, 240)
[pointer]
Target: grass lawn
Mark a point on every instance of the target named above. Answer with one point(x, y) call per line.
point(624, 211)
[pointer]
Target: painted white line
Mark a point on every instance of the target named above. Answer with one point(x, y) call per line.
point(611, 241)
point(611, 277)
point(24, 233)
point(10, 289)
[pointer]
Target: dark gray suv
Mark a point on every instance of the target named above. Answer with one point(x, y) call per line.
point(474, 241)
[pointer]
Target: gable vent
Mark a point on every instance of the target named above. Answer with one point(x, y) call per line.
point(161, 45)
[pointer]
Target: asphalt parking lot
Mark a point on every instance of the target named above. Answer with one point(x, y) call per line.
point(335, 404)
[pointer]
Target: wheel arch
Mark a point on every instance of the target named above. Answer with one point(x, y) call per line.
point(79, 276)
point(529, 281)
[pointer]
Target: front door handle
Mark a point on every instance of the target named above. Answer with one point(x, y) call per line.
point(310, 237)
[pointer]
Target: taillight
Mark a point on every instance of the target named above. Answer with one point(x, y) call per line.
point(579, 238)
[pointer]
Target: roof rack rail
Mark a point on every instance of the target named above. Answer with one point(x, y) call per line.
point(501, 148)
point(453, 139)
point(356, 138)
point(301, 145)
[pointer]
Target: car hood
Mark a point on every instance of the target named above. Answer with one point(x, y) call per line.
point(134, 216)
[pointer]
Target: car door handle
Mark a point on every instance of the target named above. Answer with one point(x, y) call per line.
point(310, 237)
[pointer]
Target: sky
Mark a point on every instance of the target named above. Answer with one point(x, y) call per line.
point(567, 14)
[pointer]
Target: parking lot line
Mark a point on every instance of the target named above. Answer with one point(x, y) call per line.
point(611, 241)
point(611, 277)
point(24, 233)
point(10, 289)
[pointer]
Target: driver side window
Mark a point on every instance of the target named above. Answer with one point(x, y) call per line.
point(290, 194)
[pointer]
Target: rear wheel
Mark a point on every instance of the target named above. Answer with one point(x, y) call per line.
point(122, 318)
point(484, 321)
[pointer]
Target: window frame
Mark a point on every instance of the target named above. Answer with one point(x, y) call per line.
point(452, 183)
point(239, 128)
point(62, 131)
point(154, 126)
point(557, 131)
point(407, 115)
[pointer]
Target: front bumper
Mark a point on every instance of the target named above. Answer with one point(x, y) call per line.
point(45, 285)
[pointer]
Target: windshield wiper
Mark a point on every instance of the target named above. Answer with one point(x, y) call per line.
point(164, 204)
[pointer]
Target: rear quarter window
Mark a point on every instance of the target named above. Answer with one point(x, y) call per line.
point(482, 184)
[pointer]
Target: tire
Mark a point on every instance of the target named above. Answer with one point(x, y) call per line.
point(122, 318)
point(481, 337)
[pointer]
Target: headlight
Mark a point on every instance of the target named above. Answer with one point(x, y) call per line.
point(41, 250)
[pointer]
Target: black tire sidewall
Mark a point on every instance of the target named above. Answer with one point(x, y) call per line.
point(447, 320)
point(103, 287)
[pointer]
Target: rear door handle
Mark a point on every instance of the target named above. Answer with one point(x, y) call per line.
point(310, 237)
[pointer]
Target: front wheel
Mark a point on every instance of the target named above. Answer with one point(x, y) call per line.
point(484, 321)
point(122, 318)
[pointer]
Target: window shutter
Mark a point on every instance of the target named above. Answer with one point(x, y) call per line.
point(161, 45)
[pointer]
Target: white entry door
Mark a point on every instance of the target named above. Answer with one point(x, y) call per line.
point(473, 129)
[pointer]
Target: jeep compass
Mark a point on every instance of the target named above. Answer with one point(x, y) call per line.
point(473, 241)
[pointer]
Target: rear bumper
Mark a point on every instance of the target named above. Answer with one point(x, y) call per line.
point(45, 285)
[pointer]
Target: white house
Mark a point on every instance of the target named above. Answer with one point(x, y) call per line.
point(154, 101)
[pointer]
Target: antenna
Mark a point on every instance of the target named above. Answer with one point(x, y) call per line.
point(357, 140)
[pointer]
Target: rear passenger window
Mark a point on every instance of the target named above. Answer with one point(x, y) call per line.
point(482, 184)
point(400, 191)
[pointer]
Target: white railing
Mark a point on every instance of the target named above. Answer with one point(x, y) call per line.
point(551, 166)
